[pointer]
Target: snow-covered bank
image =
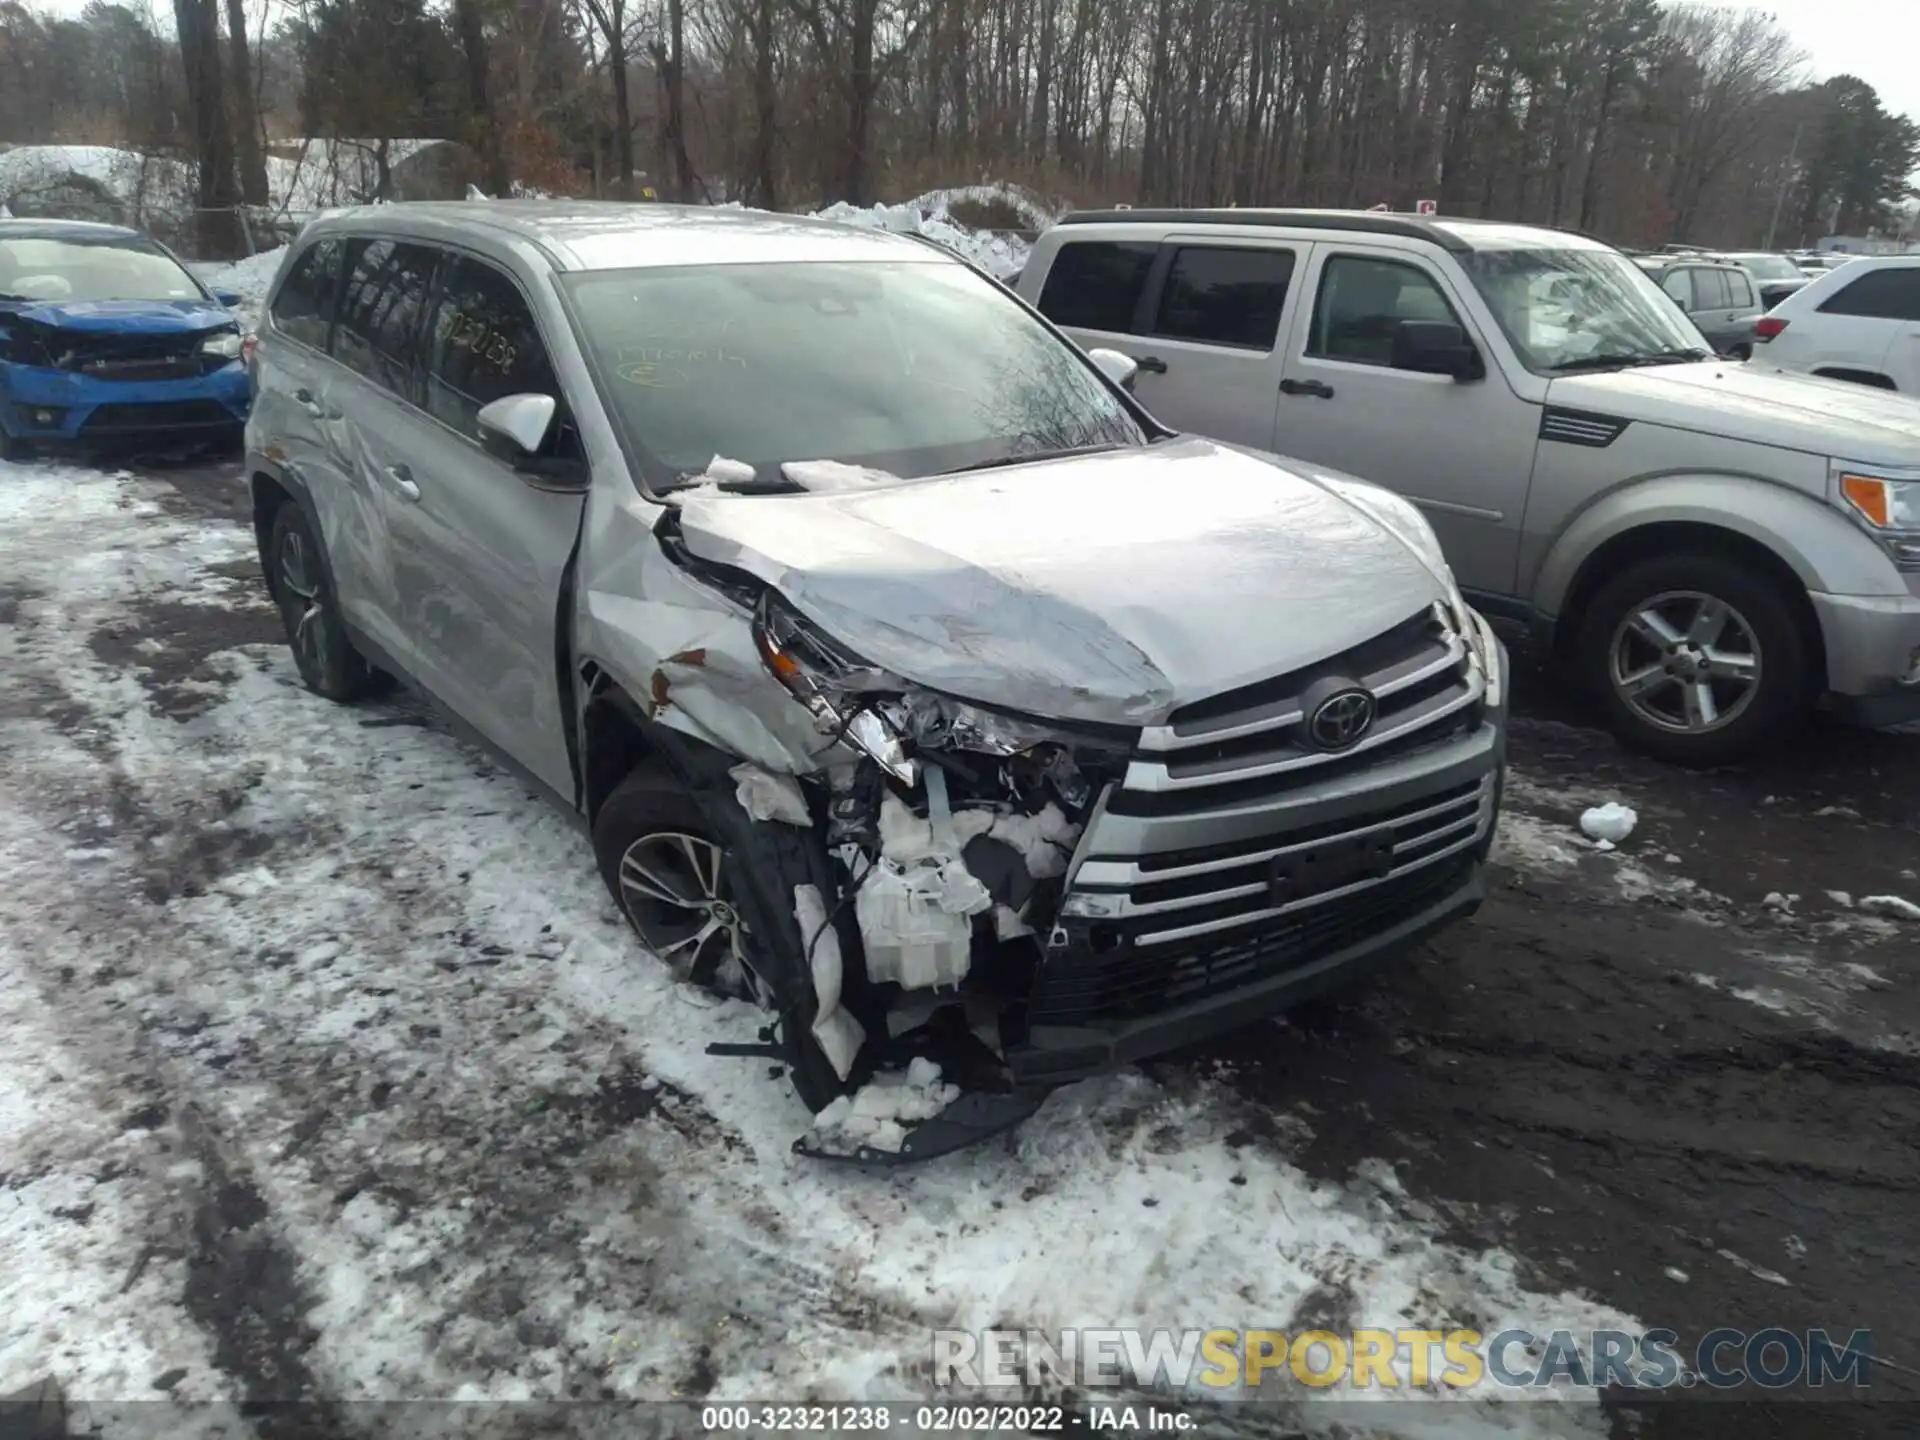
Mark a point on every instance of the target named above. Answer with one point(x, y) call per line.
point(486, 1141)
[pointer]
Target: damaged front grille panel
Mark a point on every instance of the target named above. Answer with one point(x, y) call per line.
point(129, 358)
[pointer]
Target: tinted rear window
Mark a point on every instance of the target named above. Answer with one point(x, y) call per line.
point(1096, 284)
point(379, 329)
point(1225, 297)
point(303, 307)
point(1880, 295)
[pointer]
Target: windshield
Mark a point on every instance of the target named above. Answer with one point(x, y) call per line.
point(37, 267)
point(1567, 308)
point(912, 368)
point(1768, 267)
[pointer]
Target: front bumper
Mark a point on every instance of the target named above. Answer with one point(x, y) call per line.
point(1873, 656)
point(1189, 910)
point(59, 409)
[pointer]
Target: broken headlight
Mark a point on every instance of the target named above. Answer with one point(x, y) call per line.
point(883, 716)
point(837, 689)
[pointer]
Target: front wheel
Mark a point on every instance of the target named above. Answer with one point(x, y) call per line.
point(710, 892)
point(1696, 659)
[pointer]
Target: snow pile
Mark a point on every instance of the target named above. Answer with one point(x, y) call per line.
point(877, 1116)
point(250, 279)
point(1608, 824)
point(1891, 905)
point(823, 476)
point(1035, 213)
point(1002, 256)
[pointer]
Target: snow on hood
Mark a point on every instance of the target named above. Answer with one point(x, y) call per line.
point(1753, 403)
point(128, 317)
point(1105, 588)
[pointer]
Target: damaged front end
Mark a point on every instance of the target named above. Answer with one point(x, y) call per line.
point(954, 826)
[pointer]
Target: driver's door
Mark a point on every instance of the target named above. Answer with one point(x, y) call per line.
point(479, 552)
point(1461, 450)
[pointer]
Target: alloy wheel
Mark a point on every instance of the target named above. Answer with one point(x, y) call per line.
point(676, 891)
point(1685, 662)
point(302, 605)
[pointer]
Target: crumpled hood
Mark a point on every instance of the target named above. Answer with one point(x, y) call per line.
point(1751, 402)
point(125, 317)
point(1105, 588)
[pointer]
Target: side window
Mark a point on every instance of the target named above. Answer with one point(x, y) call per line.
point(1741, 288)
point(1679, 284)
point(482, 344)
point(1225, 297)
point(303, 306)
point(1710, 290)
point(1879, 295)
point(1095, 284)
point(378, 334)
point(1361, 304)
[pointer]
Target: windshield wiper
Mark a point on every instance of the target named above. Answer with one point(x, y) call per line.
point(1624, 362)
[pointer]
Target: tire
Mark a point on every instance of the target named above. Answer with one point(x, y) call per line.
point(1759, 675)
point(1741, 352)
point(301, 585)
point(12, 448)
point(649, 819)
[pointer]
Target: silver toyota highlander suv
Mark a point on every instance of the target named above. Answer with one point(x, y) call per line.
point(912, 682)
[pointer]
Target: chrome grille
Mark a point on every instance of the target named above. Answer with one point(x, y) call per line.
point(1228, 824)
point(1249, 745)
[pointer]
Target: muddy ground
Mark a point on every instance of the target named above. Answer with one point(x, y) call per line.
point(1683, 1077)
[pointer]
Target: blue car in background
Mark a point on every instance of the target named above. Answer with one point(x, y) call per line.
point(107, 341)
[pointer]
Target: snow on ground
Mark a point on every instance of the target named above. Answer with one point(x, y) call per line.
point(394, 1059)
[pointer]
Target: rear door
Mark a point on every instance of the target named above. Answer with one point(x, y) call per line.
point(290, 422)
point(479, 549)
point(371, 421)
point(1209, 333)
point(1462, 450)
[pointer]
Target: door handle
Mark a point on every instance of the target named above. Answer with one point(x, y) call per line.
point(1319, 389)
point(1153, 364)
point(401, 478)
point(309, 402)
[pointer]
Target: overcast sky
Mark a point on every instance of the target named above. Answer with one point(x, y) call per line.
point(1878, 40)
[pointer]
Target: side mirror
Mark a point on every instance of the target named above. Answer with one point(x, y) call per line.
point(516, 426)
point(1435, 347)
point(1115, 366)
point(229, 298)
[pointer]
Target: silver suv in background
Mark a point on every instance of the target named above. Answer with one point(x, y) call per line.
point(1712, 549)
point(911, 681)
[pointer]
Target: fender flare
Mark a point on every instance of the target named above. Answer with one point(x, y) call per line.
point(1826, 551)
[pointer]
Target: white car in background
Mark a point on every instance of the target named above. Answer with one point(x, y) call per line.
point(1859, 323)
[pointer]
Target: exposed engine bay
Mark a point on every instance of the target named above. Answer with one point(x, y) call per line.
point(953, 827)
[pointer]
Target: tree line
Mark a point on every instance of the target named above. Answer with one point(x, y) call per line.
point(1634, 120)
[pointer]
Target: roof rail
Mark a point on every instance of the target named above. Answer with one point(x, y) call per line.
point(1361, 221)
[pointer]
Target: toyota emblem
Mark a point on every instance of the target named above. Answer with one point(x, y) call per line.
point(1339, 721)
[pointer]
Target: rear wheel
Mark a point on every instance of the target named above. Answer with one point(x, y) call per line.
point(1696, 659)
point(302, 590)
point(13, 448)
point(1741, 352)
point(710, 892)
